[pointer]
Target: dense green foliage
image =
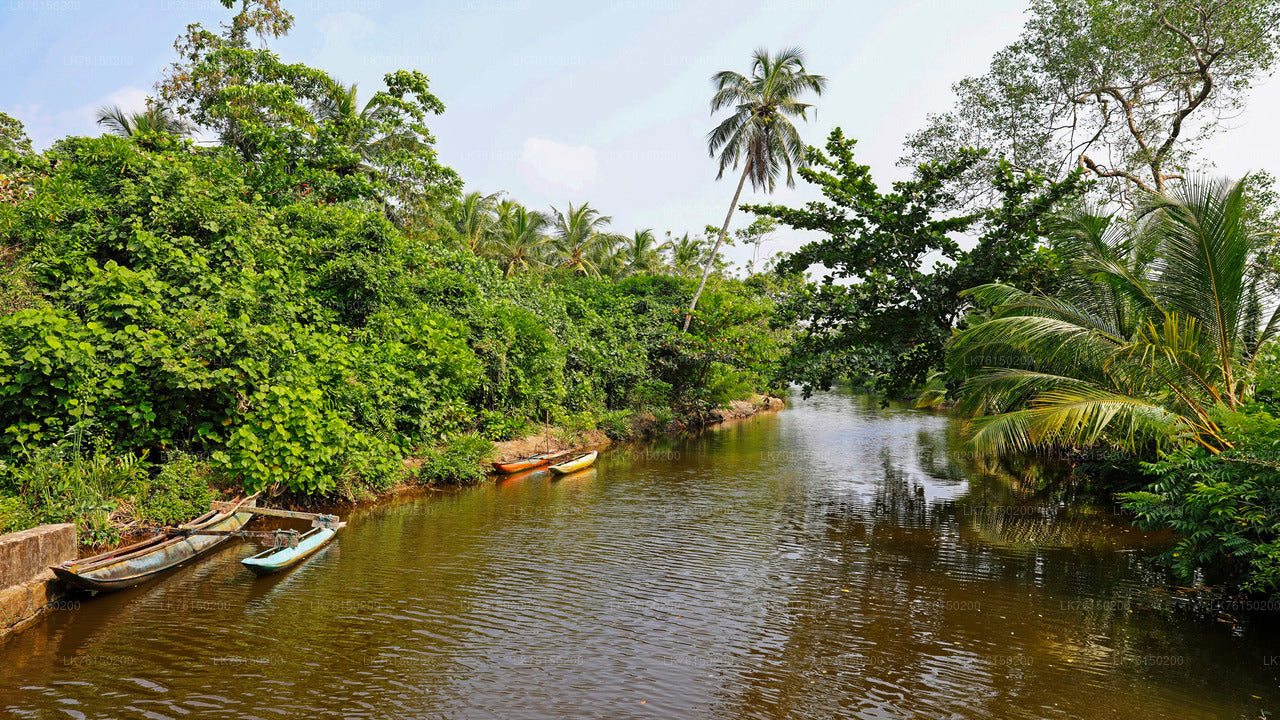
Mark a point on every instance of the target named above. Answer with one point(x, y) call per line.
point(879, 313)
point(1154, 344)
point(294, 339)
point(63, 484)
point(305, 304)
point(1154, 330)
point(1225, 508)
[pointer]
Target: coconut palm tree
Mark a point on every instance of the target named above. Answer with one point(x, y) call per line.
point(1155, 333)
point(155, 119)
point(686, 254)
point(609, 255)
point(360, 127)
point(641, 252)
point(579, 235)
point(520, 240)
point(474, 218)
point(759, 133)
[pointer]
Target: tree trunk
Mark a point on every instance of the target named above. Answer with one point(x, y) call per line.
point(712, 260)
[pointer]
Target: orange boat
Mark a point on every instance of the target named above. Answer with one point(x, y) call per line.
point(525, 463)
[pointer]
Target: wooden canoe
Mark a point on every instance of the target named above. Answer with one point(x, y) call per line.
point(575, 463)
point(525, 463)
point(134, 564)
point(280, 558)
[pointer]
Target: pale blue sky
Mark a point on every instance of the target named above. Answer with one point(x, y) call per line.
point(556, 101)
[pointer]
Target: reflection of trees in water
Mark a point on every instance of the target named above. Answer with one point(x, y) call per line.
point(964, 607)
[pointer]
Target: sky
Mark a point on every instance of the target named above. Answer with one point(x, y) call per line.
point(555, 102)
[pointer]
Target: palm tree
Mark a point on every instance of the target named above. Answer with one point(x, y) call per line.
point(609, 255)
point(475, 219)
point(377, 141)
point(1155, 333)
point(359, 127)
point(759, 133)
point(686, 254)
point(579, 235)
point(641, 252)
point(155, 119)
point(519, 240)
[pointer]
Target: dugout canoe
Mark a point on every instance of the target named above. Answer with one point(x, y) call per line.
point(287, 555)
point(575, 463)
point(135, 564)
point(525, 463)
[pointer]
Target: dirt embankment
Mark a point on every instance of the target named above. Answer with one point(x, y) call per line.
point(745, 408)
point(548, 440)
point(643, 427)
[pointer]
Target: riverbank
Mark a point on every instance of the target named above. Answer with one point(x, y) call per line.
point(643, 427)
point(187, 487)
point(659, 577)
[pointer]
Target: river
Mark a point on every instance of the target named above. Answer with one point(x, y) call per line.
point(830, 560)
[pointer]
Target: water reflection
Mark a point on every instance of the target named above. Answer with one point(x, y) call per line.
point(833, 560)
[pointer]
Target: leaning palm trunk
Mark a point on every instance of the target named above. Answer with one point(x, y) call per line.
point(1152, 339)
point(711, 261)
point(759, 132)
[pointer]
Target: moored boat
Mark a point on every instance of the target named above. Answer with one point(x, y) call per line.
point(575, 463)
point(287, 555)
point(134, 564)
point(524, 463)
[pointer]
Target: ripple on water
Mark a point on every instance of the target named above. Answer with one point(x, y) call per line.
point(833, 560)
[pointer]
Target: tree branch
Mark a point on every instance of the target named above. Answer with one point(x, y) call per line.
point(1101, 171)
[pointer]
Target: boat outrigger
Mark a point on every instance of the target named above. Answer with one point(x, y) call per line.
point(134, 564)
point(575, 463)
point(290, 549)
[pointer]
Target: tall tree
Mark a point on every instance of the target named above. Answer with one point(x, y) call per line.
point(1126, 89)
point(302, 131)
point(223, 83)
point(893, 267)
point(759, 133)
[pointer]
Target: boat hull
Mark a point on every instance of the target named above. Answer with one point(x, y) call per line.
point(580, 462)
point(276, 559)
point(515, 466)
point(135, 564)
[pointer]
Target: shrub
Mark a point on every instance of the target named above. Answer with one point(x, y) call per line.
point(618, 424)
point(58, 484)
point(458, 462)
point(179, 492)
point(499, 425)
point(286, 439)
point(1225, 508)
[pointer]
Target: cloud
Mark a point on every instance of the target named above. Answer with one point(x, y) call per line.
point(342, 30)
point(83, 120)
point(130, 99)
point(557, 168)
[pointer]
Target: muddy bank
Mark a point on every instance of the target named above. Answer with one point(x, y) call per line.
point(642, 427)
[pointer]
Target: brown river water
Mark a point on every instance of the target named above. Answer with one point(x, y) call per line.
point(829, 560)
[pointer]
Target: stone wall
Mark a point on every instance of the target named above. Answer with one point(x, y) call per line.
point(27, 585)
